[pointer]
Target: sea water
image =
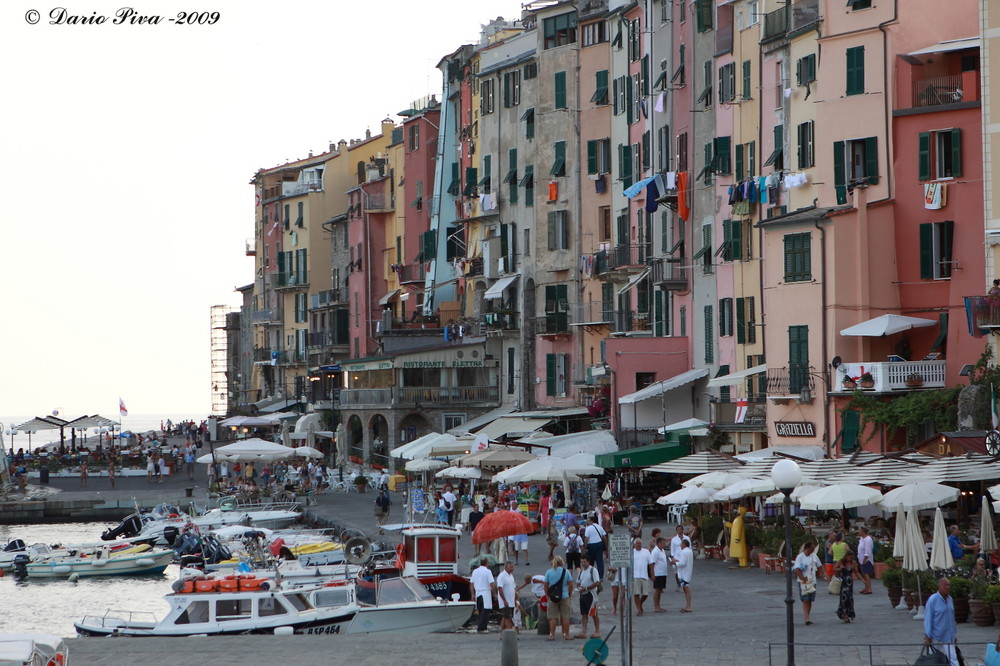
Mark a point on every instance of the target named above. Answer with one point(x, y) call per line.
point(53, 605)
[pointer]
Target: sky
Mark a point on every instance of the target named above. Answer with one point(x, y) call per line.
point(127, 152)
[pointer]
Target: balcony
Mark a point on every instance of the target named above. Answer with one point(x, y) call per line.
point(670, 274)
point(985, 311)
point(775, 24)
point(804, 14)
point(378, 203)
point(291, 281)
point(261, 354)
point(499, 321)
point(553, 323)
point(475, 267)
point(411, 396)
point(941, 90)
point(724, 415)
point(327, 298)
point(594, 313)
point(626, 321)
point(325, 339)
point(785, 383)
point(891, 376)
point(410, 273)
point(295, 189)
point(267, 316)
point(628, 258)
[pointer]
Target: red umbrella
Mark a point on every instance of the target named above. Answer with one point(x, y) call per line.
point(500, 524)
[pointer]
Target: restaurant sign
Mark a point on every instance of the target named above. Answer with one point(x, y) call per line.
point(795, 428)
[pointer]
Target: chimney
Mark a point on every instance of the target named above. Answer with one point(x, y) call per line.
point(368, 134)
point(387, 127)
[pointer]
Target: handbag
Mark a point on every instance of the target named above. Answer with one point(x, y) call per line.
point(931, 656)
point(834, 586)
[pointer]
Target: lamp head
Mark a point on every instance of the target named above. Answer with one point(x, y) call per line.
point(786, 475)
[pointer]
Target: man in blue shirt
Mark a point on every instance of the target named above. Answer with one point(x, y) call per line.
point(939, 621)
point(955, 544)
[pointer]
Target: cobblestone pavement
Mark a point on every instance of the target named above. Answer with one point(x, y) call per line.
point(738, 615)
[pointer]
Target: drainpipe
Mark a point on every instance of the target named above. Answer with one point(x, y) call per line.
point(825, 339)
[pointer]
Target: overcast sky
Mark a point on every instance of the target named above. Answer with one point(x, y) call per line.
point(126, 156)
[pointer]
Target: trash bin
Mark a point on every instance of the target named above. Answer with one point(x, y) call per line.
point(397, 482)
point(43, 474)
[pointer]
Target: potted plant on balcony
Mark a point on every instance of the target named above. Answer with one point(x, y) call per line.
point(850, 383)
point(914, 379)
point(867, 381)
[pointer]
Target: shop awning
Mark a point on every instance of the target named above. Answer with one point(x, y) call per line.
point(388, 297)
point(496, 291)
point(657, 389)
point(643, 456)
point(512, 426)
point(949, 45)
point(737, 377)
point(478, 422)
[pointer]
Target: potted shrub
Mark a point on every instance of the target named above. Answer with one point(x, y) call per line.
point(914, 379)
point(361, 482)
point(980, 609)
point(850, 383)
point(893, 580)
point(991, 596)
point(867, 381)
point(960, 588)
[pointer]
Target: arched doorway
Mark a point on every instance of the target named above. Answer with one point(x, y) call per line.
point(380, 440)
point(355, 438)
point(412, 426)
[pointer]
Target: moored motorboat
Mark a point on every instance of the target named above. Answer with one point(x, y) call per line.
point(32, 649)
point(132, 561)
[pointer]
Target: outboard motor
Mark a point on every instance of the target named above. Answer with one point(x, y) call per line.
point(170, 534)
point(14, 545)
point(130, 527)
point(21, 566)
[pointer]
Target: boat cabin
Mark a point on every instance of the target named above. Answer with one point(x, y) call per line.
point(430, 550)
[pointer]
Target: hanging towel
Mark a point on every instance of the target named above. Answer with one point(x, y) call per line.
point(671, 180)
point(553, 190)
point(762, 189)
point(659, 103)
point(642, 108)
point(652, 194)
point(637, 187)
point(932, 196)
point(751, 191)
point(733, 194)
point(600, 185)
point(683, 210)
point(661, 185)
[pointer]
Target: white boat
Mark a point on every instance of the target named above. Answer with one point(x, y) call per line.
point(33, 650)
point(104, 562)
point(252, 604)
point(155, 523)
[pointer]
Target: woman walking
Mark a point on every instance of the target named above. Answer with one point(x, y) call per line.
point(845, 569)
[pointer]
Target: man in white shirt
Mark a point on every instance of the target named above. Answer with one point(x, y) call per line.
point(642, 565)
point(866, 559)
point(593, 537)
point(685, 568)
point(675, 551)
point(506, 596)
point(805, 569)
point(660, 570)
point(484, 585)
point(449, 504)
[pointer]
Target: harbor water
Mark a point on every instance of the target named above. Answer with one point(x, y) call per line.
point(53, 606)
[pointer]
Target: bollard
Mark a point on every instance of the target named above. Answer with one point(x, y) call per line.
point(189, 492)
point(508, 648)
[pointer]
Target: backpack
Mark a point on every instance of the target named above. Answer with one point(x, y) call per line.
point(574, 544)
point(448, 506)
point(556, 591)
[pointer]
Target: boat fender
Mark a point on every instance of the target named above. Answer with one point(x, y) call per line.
point(400, 556)
point(98, 563)
point(284, 631)
point(63, 569)
point(145, 561)
point(177, 585)
point(73, 577)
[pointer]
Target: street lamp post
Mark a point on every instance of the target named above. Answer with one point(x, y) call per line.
point(786, 476)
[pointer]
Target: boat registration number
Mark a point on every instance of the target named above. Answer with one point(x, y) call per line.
point(329, 629)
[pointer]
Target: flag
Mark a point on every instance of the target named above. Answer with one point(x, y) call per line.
point(121, 407)
point(741, 410)
point(993, 406)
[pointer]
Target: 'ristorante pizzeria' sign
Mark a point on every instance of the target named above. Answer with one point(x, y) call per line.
point(795, 428)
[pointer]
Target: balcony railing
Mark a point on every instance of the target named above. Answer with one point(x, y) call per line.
point(325, 339)
point(295, 189)
point(423, 395)
point(630, 438)
point(497, 321)
point(629, 255)
point(475, 267)
point(670, 273)
point(261, 354)
point(804, 13)
point(939, 90)
point(985, 311)
point(726, 414)
point(377, 202)
point(411, 272)
point(292, 280)
point(626, 321)
point(594, 312)
point(262, 316)
point(327, 298)
point(775, 23)
point(891, 376)
point(553, 323)
point(783, 382)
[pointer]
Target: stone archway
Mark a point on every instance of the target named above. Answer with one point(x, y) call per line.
point(355, 438)
point(414, 425)
point(378, 429)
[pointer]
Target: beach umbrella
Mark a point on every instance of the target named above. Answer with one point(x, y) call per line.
point(252, 450)
point(899, 544)
point(797, 494)
point(715, 480)
point(501, 524)
point(467, 473)
point(887, 324)
point(548, 468)
point(839, 496)
point(915, 557)
point(697, 463)
point(916, 496)
point(425, 465)
point(941, 557)
point(744, 488)
point(307, 452)
point(689, 495)
point(987, 537)
point(341, 436)
point(502, 456)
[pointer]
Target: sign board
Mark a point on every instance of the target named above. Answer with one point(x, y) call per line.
point(621, 550)
point(417, 500)
point(795, 428)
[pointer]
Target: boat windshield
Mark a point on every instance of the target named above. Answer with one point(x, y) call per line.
point(401, 590)
point(195, 613)
point(332, 597)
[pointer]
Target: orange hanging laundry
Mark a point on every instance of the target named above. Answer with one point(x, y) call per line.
point(683, 209)
point(553, 190)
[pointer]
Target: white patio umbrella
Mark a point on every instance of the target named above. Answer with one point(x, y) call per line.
point(940, 552)
point(744, 488)
point(797, 494)
point(307, 452)
point(919, 496)
point(915, 557)
point(899, 543)
point(840, 496)
point(547, 468)
point(987, 537)
point(447, 472)
point(715, 480)
point(466, 473)
point(886, 324)
point(250, 450)
point(425, 464)
point(689, 495)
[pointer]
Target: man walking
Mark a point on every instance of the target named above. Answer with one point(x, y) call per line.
point(484, 585)
point(939, 621)
point(866, 559)
point(685, 567)
point(594, 537)
point(805, 569)
point(641, 568)
point(659, 559)
point(382, 504)
point(675, 551)
point(449, 504)
point(506, 596)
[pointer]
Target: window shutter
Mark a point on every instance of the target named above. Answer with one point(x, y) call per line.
point(871, 160)
point(722, 317)
point(614, 101)
point(709, 336)
point(800, 140)
point(741, 337)
point(739, 162)
point(658, 314)
point(850, 427)
point(746, 79)
point(946, 243)
point(629, 105)
point(789, 257)
point(735, 239)
point(839, 176)
point(924, 155)
point(626, 165)
point(751, 327)
point(798, 72)
point(560, 85)
point(592, 157)
point(550, 374)
point(645, 74)
point(723, 161)
point(645, 150)
point(727, 251)
point(552, 230)
point(956, 152)
point(927, 251)
point(752, 159)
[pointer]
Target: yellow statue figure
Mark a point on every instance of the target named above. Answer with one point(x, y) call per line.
point(737, 539)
